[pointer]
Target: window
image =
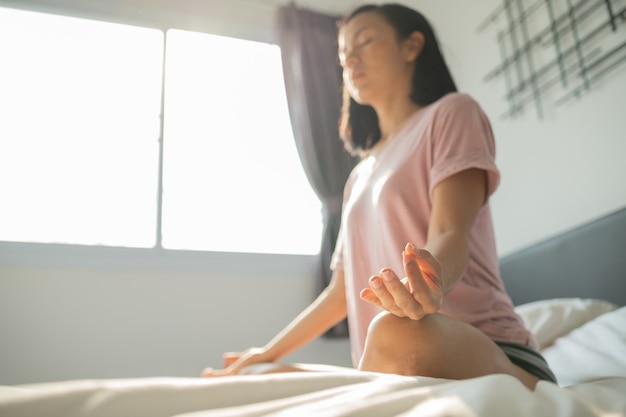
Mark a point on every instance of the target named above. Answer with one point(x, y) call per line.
point(232, 178)
point(79, 133)
point(79, 153)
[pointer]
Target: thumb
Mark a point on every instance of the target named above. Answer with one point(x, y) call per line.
point(428, 265)
point(229, 358)
point(425, 260)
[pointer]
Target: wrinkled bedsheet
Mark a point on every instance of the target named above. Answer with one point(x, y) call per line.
point(341, 392)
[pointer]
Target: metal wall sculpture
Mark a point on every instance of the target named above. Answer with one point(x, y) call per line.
point(555, 44)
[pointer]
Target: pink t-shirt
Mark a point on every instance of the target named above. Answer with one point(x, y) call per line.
point(387, 203)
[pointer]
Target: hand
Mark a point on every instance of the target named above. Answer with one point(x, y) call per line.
point(418, 294)
point(235, 362)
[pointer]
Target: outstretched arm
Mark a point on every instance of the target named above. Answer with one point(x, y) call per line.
point(327, 310)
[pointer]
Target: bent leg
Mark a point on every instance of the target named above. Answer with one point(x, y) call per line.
point(435, 346)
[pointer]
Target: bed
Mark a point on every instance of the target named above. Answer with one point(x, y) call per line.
point(570, 290)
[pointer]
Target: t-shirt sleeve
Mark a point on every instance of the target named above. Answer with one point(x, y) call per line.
point(462, 138)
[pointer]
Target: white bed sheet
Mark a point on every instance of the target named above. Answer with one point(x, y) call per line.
point(585, 346)
point(336, 393)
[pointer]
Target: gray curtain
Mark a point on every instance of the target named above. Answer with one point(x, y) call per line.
point(308, 42)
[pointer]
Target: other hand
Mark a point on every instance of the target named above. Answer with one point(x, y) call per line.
point(234, 362)
point(418, 294)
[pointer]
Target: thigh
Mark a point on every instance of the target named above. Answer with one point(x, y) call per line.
point(435, 346)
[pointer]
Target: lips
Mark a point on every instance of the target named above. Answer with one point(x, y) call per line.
point(355, 75)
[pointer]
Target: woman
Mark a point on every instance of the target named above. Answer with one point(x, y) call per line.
point(425, 177)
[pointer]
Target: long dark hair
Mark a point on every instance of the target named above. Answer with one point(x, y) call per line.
point(432, 80)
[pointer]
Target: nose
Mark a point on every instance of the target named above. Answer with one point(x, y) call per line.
point(349, 59)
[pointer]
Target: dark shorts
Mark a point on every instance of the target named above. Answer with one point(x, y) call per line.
point(528, 359)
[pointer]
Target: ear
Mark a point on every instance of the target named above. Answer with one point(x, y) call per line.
point(413, 46)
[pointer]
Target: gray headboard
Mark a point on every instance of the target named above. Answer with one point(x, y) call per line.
point(588, 262)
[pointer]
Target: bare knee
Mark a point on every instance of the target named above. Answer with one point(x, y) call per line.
point(435, 346)
point(392, 345)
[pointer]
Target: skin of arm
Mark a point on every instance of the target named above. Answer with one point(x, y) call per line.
point(456, 202)
point(433, 271)
point(328, 309)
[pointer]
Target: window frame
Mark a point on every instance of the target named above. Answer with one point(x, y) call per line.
point(40, 254)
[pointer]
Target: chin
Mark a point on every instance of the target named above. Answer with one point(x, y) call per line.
point(363, 96)
point(362, 99)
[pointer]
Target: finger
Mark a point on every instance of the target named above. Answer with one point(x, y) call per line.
point(210, 372)
point(430, 269)
point(429, 296)
point(368, 295)
point(229, 358)
point(380, 292)
point(232, 366)
point(235, 367)
point(402, 297)
point(413, 272)
point(387, 302)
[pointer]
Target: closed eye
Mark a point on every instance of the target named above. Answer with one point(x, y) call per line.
point(364, 42)
point(343, 55)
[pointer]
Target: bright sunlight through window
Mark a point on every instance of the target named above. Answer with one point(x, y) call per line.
point(232, 177)
point(79, 140)
point(79, 133)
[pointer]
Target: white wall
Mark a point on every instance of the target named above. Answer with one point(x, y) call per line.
point(71, 312)
point(81, 313)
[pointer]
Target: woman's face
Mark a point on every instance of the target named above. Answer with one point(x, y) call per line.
point(375, 64)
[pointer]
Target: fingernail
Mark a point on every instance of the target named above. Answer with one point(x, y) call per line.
point(375, 281)
point(387, 275)
point(406, 257)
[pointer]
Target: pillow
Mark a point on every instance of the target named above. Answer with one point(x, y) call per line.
point(596, 350)
point(556, 317)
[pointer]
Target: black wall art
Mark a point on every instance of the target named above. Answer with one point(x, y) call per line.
point(559, 46)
